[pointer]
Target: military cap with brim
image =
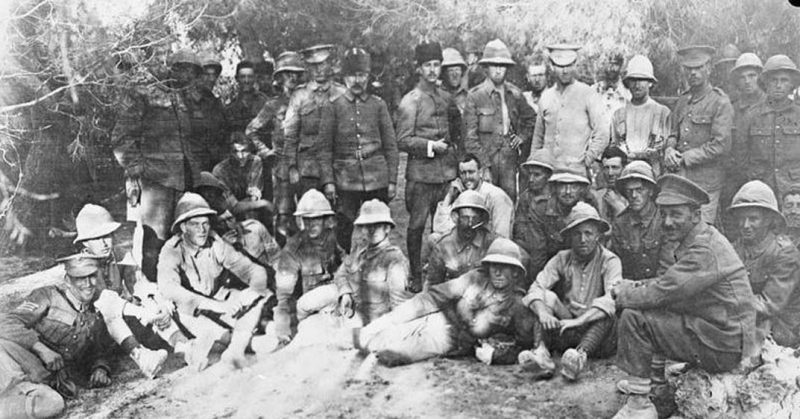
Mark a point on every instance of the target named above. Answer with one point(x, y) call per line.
point(581, 213)
point(81, 264)
point(563, 55)
point(695, 55)
point(317, 53)
point(569, 175)
point(677, 190)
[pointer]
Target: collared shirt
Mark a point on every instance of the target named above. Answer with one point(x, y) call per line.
point(641, 130)
point(451, 257)
point(240, 178)
point(54, 317)
point(376, 277)
point(701, 131)
point(773, 267)
point(429, 114)
point(572, 123)
point(208, 127)
point(500, 206)
point(708, 286)
point(358, 134)
point(638, 241)
point(189, 275)
point(774, 145)
point(580, 285)
point(538, 232)
point(614, 97)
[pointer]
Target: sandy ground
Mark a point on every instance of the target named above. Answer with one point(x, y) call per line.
point(316, 380)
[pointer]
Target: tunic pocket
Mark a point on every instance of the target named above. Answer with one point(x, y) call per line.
point(486, 123)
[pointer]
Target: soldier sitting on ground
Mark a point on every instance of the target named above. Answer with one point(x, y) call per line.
point(49, 338)
point(242, 171)
point(571, 298)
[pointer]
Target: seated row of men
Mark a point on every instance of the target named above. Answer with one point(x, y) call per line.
point(684, 297)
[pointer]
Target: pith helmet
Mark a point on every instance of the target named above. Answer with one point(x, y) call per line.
point(313, 204)
point(542, 158)
point(695, 55)
point(747, 60)
point(184, 56)
point(190, 205)
point(640, 67)
point(504, 251)
point(728, 54)
point(470, 199)
point(289, 61)
point(94, 221)
point(677, 190)
point(81, 264)
point(636, 169)
point(374, 212)
point(496, 53)
point(780, 63)
point(451, 57)
point(757, 194)
point(581, 213)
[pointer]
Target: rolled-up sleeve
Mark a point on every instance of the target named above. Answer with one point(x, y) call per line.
point(545, 280)
point(169, 280)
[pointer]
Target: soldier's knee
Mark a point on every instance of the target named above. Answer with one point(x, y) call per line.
point(33, 401)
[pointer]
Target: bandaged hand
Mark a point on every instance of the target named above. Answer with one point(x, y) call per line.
point(110, 304)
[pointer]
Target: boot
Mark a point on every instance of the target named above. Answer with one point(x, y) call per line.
point(635, 386)
point(31, 401)
point(637, 407)
point(573, 362)
point(663, 398)
point(149, 361)
point(538, 361)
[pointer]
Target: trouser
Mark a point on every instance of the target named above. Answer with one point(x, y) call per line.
point(420, 339)
point(18, 364)
point(216, 325)
point(348, 203)
point(156, 207)
point(597, 338)
point(660, 334)
point(322, 298)
point(421, 201)
point(708, 212)
point(120, 325)
point(504, 172)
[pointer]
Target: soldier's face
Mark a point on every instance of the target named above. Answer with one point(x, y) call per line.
point(84, 288)
point(319, 72)
point(537, 77)
point(209, 77)
point(240, 153)
point(678, 220)
point(538, 177)
point(289, 79)
point(246, 78)
point(184, 74)
point(469, 174)
point(377, 233)
point(638, 193)
point(357, 82)
point(100, 246)
point(584, 238)
point(753, 223)
point(612, 71)
point(697, 76)
point(468, 221)
point(501, 275)
point(430, 70)
point(453, 75)
point(314, 226)
point(747, 80)
point(612, 168)
point(779, 85)
point(195, 230)
point(568, 194)
point(640, 88)
point(791, 209)
point(497, 73)
point(564, 75)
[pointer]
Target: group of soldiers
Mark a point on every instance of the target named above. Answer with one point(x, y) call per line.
point(573, 218)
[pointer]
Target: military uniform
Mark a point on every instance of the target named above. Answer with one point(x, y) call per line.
point(243, 108)
point(489, 125)
point(302, 148)
point(304, 273)
point(774, 145)
point(425, 115)
point(452, 256)
point(638, 241)
point(241, 178)
point(701, 131)
point(209, 128)
point(538, 232)
point(266, 132)
point(359, 134)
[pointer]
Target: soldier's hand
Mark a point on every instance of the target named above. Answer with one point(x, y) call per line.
point(330, 193)
point(439, 146)
point(99, 378)
point(672, 158)
point(549, 321)
point(231, 237)
point(392, 191)
point(294, 176)
point(254, 193)
point(515, 141)
point(569, 324)
point(345, 308)
point(50, 358)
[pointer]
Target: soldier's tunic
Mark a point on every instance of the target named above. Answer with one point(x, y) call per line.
point(492, 114)
point(244, 107)
point(538, 232)
point(266, 133)
point(209, 128)
point(774, 145)
point(638, 241)
point(452, 256)
point(701, 131)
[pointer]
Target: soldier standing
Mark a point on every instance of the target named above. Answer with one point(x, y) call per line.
point(428, 130)
point(357, 130)
point(499, 120)
point(303, 154)
point(453, 69)
point(248, 101)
